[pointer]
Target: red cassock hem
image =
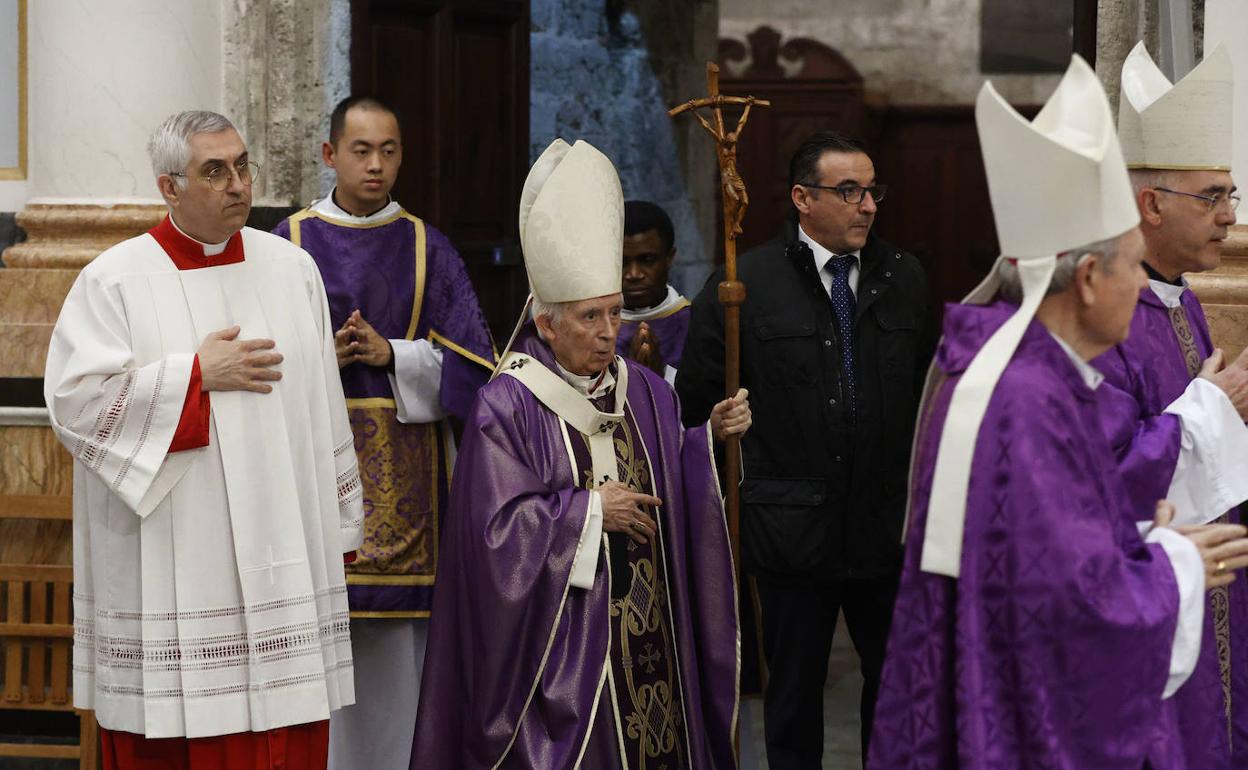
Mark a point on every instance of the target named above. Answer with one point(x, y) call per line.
point(192, 430)
point(299, 747)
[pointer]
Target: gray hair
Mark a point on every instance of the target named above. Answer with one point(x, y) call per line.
point(552, 310)
point(170, 145)
point(1063, 275)
point(1150, 177)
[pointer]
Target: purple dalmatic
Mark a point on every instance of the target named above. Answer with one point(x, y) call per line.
point(670, 327)
point(409, 283)
point(523, 670)
point(1052, 649)
point(1143, 376)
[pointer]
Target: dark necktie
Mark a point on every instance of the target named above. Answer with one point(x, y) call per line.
point(844, 304)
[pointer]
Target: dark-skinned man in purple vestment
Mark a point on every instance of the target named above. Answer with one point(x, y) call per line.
point(585, 614)
point(1036, 626)
point(655, 320)
point(413, 348)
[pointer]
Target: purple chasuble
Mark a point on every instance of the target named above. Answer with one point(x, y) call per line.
point(409, 283)
point(1053, 648)
point(671, 330)
point(1144, 375)
point(518, 663)
point(643, 683)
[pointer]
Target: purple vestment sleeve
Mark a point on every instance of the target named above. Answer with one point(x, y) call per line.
point(458, 325)
point(1053, 647)
point(1146, 444)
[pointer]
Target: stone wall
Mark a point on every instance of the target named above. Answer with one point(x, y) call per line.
point(910, 51)
point(606, 71)
point(287, 65)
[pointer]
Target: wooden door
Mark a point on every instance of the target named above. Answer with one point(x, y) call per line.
point(457, 71)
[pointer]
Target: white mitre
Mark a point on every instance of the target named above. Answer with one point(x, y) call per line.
point(572, 224)
point(571, 227)
point(1185, 126)
point(1056, 183)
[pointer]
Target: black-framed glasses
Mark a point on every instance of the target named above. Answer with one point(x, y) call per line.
point(1215, 200)
point(853, 193)
point(219, 178)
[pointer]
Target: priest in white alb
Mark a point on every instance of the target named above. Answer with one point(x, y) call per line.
point(192, 376)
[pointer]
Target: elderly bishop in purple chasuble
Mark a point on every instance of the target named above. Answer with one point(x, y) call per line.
point(562, 638)
point(1053, 647)
point(1034, 626)
point(524, 670)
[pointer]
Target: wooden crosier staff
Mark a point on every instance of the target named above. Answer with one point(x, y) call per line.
point(731, 291)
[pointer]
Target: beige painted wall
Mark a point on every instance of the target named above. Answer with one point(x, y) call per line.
point(912, 51)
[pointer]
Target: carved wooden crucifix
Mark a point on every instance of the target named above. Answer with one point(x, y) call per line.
point(731, 291)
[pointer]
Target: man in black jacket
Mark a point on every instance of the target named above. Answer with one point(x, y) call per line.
point(835, 342)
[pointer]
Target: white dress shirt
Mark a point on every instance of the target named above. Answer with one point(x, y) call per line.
point(823, 257)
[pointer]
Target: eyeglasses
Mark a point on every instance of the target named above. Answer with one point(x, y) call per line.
point(219, 178)
point(853, 193)
point(1215, 200)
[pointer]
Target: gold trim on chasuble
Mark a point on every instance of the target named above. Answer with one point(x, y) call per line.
point(684, 303)
point(373, 449)
point(1220, 597)
point(650, 720)
point(417, 224)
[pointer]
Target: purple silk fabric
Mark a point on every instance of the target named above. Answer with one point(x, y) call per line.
point(671, 331)
point(1053, 647)
point(505, 616)
point(1143, 375)
point(373, 269)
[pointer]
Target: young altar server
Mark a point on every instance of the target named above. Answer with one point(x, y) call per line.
point(192, 377)
point(413, 348)
point(1035, 626)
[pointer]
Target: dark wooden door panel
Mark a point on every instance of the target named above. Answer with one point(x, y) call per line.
point(458, 73)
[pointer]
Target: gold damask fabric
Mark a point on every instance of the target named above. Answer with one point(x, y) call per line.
point(402, 468)
point(644, 674)
point(1220, 597)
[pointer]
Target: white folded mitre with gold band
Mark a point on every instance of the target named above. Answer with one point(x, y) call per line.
point(572, 224)
point(571, 228)
point(1056, 183)
point(1184, 126)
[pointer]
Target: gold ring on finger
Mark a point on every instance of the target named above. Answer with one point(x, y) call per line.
point(1219, 568)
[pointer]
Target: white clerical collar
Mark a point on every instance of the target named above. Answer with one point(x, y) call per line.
point(822, 255)
point(590, 386)
point(672, 302)
point(1091, 377)
point(210, 249)
point(1169, 294)
point(327, 208)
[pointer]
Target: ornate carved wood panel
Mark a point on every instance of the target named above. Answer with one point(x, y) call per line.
point(937, 204)
point(811, 87)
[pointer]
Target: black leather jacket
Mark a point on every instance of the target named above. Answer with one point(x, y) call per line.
point(824, 490)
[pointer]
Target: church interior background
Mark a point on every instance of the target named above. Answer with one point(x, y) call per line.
point(482, 86)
